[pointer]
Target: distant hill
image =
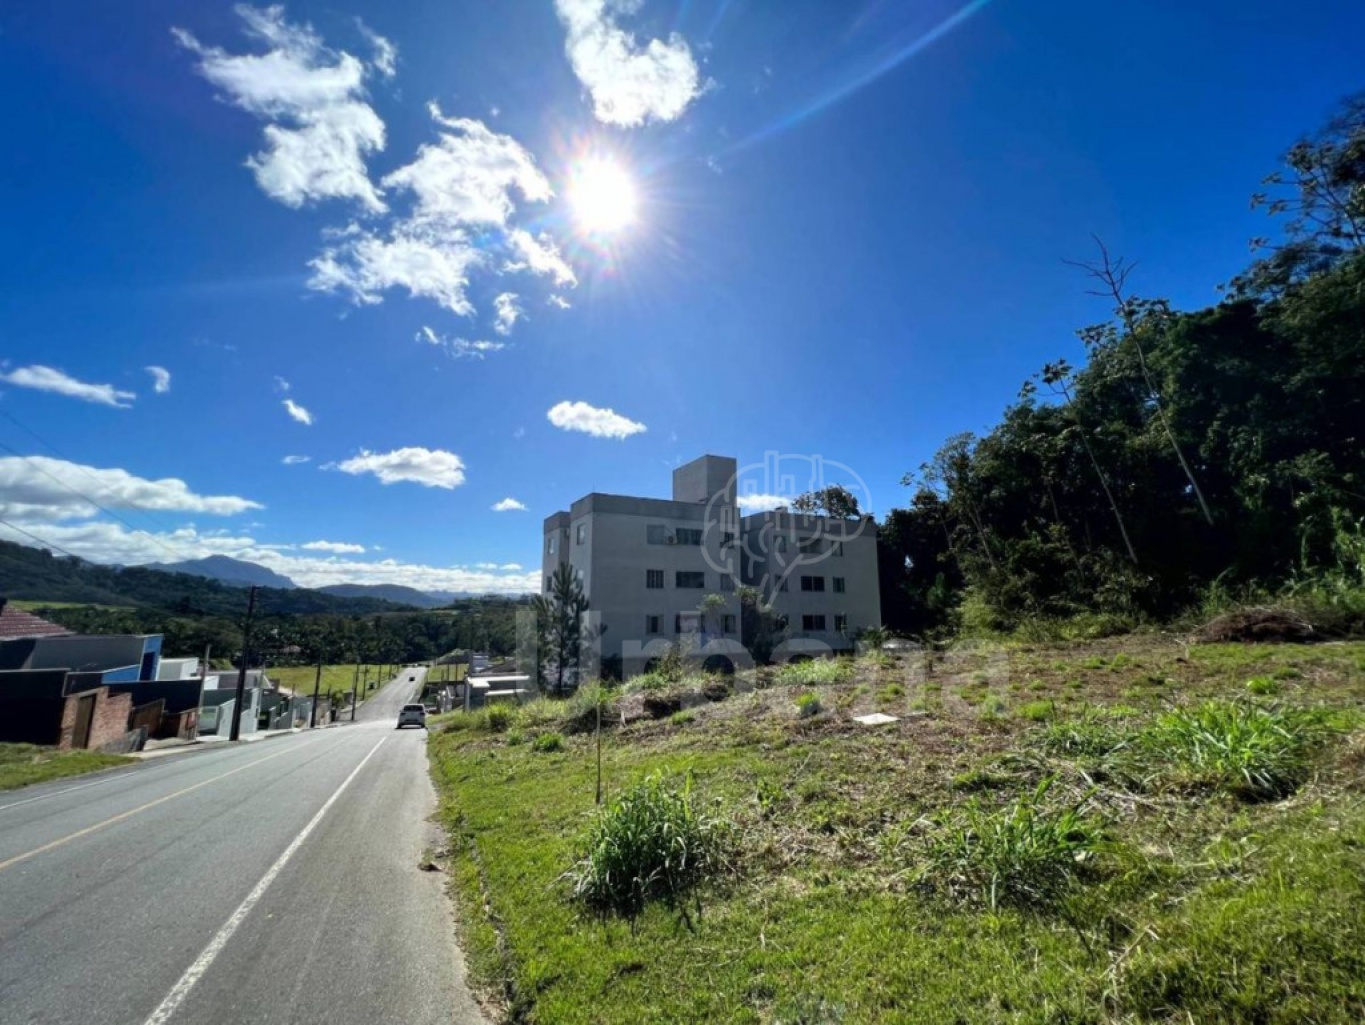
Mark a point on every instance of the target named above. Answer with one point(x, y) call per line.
point(234, 572)
point(38, 575)
point(388, 592)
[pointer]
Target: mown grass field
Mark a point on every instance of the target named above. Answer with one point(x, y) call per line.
point(22, 764)
point(926, 871)
point(334, 677)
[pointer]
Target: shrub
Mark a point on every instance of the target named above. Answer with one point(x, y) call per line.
point(1252, 751)
point(547, 742)
point(1025, 855)
point(814, 672)
point(808, 705)
point(682, 718)
point(498, 717)
point(1263, 686)
point(650, 843)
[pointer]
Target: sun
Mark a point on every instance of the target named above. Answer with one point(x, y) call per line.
point(602, 196)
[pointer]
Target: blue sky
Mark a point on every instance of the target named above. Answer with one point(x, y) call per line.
point(414, 223)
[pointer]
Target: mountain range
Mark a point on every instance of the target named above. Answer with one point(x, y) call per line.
point(239, 573)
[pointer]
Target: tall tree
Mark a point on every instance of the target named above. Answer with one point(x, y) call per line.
point(559, 616)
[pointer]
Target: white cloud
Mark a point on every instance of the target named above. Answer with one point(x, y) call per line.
point(509, 505)
point(335, 547)
point(508, 312)
point(463, 192)
point(41, 378)
point(385, 59)
point(558, 301)
point(161, 379)
point(629, 84)
point(108, 542)
point(320, 130)
point(298, 412)
point(295, 460)
point(459, 348)
point(468, 175)
point(32, 489)
point(761, 502)
point(539, 255)
point(433, 468)
point(281, 385)
point(510, 566)
point(600, 423)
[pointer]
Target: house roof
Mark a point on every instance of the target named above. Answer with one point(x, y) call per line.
point(16, 623)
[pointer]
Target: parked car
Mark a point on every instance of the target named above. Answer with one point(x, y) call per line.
point(412, 715)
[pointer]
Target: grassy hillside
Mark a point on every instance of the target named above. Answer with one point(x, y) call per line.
point(1128, 831)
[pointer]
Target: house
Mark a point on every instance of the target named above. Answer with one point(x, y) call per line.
point(646, 564)
point(220, 698)
point(63, 689)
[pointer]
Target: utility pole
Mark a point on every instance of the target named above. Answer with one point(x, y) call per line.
point(353, 700)
point(317, 682)
point(241, 673)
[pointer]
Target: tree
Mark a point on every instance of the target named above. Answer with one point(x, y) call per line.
point(835, 501)
point(759, 630)
point(559, 616)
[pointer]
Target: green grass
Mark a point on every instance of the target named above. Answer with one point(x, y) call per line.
point(1107, 864)
point(299, 679)
point(22, 764)
point(815, 672)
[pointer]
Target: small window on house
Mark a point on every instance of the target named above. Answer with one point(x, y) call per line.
point(656, 534)
point(551, 544)
point(727, 624)
point(653, 624)
point(686, 622)
point(688, 536)
point(727, 582)
point(811, 545)
point(779, 542)
point(813, 623)
point(836, 548)
point(812, 583)
point(654, 579)
point(840, 623)
point(582, 533)
point(547, 583)
point(695, 581)
point(727, 539)
point(838, 585)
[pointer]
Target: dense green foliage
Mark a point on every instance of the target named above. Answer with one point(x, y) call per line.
point(1219, 446)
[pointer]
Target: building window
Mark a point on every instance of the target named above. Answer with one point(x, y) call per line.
point(547, 584)
point(812, 583)
point(654, 579)
point(582, 533)
point(551, 544)
point(782, 586)
point(686, 622)
point(656, 534)
point(814, 624)
point(688, 536)
point(727, 582)
point(841, 622)
point(727, 624)
point(810, 545)
point(779, 542)
point(838, 585)
point(780, 623)
point(726, 539)
point(653, 625)
point(689, 580)
point(836, 548)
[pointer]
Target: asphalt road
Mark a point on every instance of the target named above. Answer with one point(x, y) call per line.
point(276, 881)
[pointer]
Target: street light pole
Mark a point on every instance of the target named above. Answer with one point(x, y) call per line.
point(317, 682)
point(241, 673)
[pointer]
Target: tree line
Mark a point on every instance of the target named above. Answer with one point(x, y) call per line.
point(1217, 449)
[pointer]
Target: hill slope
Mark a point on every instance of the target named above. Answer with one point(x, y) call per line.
point(36, 574)
point(387, 592)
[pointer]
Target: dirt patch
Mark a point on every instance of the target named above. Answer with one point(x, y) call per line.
point(1258, 626)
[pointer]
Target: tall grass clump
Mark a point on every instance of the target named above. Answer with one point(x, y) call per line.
point(815, 672)
point(498, 717)
point(651, 843)
point(1025, 855)
point(1088, 735)
point(1255, 752)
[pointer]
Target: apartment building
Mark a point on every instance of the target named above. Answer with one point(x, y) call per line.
point(646, 564)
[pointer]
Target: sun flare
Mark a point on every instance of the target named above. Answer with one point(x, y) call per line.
point(602, 196)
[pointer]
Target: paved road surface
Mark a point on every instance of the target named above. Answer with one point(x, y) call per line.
point(268, 882)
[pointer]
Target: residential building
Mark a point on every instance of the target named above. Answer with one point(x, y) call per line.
point(646, 564)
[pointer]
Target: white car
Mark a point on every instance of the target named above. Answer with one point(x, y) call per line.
point(412, 715)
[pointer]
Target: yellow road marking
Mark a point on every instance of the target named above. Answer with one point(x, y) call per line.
point(9, 862)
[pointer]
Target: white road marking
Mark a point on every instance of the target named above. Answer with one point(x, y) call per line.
point(201, 965)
